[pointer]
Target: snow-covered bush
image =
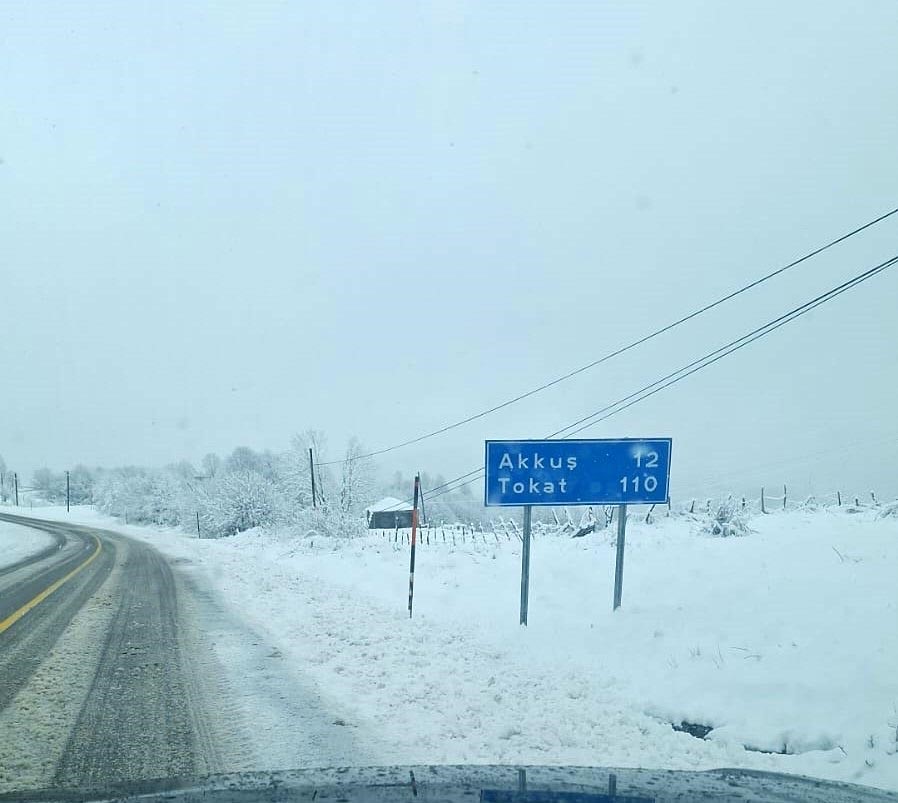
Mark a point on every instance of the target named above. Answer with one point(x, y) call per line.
point(889, 511)
point(327, 523)
point(140, 495)
point(238, 501)
point(726, 519)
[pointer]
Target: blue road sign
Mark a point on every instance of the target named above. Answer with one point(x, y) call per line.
point(629, 471)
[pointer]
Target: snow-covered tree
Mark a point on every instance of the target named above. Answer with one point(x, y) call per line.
point(211, 465)
point(357, 479)
point(48, 485)
point(3, 480)
point(81, 482)
point(294, 474)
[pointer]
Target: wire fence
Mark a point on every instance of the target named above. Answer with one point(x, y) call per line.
point(501, 530)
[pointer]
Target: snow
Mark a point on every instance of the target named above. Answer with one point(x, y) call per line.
point(784, 640)
point(17, 543)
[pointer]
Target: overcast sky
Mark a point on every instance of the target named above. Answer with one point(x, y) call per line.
point(221, 224)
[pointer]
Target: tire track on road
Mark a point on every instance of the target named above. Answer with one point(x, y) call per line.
point(137, 721)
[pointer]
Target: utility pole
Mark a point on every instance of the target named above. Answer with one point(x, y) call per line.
point(312, 473)
point(15, 479)
point(68, 493)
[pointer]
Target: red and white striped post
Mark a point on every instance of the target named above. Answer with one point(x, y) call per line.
point(411, 567)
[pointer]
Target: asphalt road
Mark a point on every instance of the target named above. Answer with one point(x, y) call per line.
point(97, 682)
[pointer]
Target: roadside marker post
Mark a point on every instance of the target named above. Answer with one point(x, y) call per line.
point(411, 565)
point(611, 472)
point(68, 493)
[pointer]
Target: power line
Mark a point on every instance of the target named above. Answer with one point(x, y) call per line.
point(696, 365)
point(740, 343)
point(622, 349)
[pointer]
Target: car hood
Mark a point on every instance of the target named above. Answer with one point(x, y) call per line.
point(474, 784)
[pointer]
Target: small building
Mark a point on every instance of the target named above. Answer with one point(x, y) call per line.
point(389, 513)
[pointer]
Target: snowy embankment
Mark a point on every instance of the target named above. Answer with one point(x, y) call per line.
point(784, 641)
point(18, 543)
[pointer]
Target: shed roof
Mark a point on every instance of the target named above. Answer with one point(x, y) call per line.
point(388, 504)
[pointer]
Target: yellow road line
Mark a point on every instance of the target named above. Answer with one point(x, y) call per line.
point(14, 617)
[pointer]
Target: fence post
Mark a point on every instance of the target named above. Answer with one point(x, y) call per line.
point(839, 497)
point(784, 497)
point(198, 533)
point(763, 509)
point(692, 507)
point(873, 497)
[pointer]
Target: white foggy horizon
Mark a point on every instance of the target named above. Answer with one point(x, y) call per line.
point(223, 226)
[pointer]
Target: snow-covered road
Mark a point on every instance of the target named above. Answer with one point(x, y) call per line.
point(782, 641)
point(18, 543)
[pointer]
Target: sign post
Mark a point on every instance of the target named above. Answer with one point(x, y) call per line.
point(525, 566)
point(625, 471)
point(619, 560)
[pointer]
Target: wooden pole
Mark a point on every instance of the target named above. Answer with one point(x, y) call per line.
point(312, 474)
point(68, 493)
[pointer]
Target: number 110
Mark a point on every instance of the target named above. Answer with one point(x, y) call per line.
point(649, 484)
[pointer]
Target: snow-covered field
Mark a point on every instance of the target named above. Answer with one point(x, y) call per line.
point(17, 543)
point(783, 641)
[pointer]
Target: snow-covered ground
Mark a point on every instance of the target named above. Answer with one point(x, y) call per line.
point(785, 641)
point(17, 543)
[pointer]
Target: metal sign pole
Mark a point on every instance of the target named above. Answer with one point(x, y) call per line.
point(525, 566)
point(619, 562)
